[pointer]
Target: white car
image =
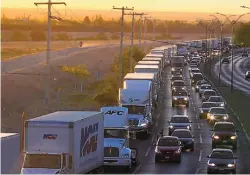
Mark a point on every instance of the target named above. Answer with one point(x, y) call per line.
point(204, 87)
point(218, 100)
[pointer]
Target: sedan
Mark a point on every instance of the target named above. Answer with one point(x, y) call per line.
point(206, 94)
point(168, 148)
point(221, 161)
point(247, 75)
point(218, 100)
point(205, 107)
point(179, 122)
point(217, 114)
point(185, 137)
point(204, 87)
point(179, 69)
point(198, 84)
point(176, 77)
point(180, 98)
point(225, 60)
point(244, 54)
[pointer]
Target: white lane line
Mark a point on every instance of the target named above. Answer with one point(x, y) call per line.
point(194, 109)
point(198, 169)
point(196, 116)
point(200, 155)
point(200, 138)
point(198, 125)
point(137, 169)
point(146, 154)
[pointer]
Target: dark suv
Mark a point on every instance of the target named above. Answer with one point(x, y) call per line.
point(224, 134)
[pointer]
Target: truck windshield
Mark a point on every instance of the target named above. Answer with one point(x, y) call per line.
point(115, 133)
point(49, 161)
point(135, 109)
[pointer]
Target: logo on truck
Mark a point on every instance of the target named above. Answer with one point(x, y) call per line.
point(131, 100)
point(50, 136)
point(111, 112)
point(89, 138)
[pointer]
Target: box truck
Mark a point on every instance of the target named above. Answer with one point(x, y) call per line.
point(10, 153)
point(64, 142)
point(116, 139)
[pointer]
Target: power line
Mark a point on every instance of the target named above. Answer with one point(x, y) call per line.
point(47, 82)
point(121, 42)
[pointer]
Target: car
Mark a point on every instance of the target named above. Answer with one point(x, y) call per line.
point(224, 134)
point(199, 83)
point(217, 99)
point(194, 70)
point(216, 114)
point(221, 161)
point(207, 93)
point(178, 69)
point(180, 98)
point(225, 60)
point(168, 148)
point(204, 87)
point(205, 107)
point(186, 138)
point(179, 122)
point(247, 75)
point(178, 83)
point(244, 54)
point(196, 77)
point(176, 72)
point(176, 77)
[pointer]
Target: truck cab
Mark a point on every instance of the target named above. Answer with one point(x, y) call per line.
point(116, 138)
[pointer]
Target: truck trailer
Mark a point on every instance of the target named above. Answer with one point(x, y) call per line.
point(64, 142)
point(10, 153)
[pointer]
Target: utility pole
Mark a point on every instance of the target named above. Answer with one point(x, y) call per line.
point(141, 24)
point(132, 39)
point(166, 28)
point(121, 42)
point(145, 28)
point(47, 82)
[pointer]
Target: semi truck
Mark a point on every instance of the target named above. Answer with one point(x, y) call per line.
point(158, 63)
point(116, 139)
point(64, 142)
point(161, 66)
point(10, 153)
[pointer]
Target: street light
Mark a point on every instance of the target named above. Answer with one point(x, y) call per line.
point(205, 24)
point(221, 39)
point(233, 25)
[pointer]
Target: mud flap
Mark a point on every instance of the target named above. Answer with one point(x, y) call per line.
point(134, 156)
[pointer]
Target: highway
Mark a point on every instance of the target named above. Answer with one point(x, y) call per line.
point(192, 162)
point(240, 68)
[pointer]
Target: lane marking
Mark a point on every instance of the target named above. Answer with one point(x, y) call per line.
point(200, 138)
point(194, 109)
point(197, 117)
point(137, 169)
point(146, 154)
point(199, 125)
point(198, 169)
point(200, 155)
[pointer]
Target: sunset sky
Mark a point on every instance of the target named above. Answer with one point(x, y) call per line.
point(201, 6)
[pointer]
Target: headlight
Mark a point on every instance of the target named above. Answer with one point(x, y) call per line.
point(156, 150)
point(233, 137)
point(143, 124)
point(192, 80)
point(174, 88)
point(230, 165)
point(177, 151)
point(201, 111)
point(125, 155)
point(197, 87)
point(173, 69)
point(182, 88)
point(175, 98)
point(222, 104)
point(188, 127)
point(171, 126)
point(211, 164)
point(212, 117)
point(185, 99)
point(225, 117)
point(216, 137)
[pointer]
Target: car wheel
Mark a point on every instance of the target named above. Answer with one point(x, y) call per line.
point(187, 105)
point(192, 149)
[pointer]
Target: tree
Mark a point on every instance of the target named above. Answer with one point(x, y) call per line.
point(87, 20)
point(242, 35)
point(19, 36)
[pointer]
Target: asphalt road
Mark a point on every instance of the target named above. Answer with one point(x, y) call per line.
point(192, 162)
point(240, 68)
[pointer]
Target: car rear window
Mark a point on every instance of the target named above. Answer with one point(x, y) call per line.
point(168, 142)
point(197, 77)
point(179, 120)
point(209, 93)
point(218, 111)
point(224, 127)
point(206, 87)
point(180, 93)
point(216, 99)
point(182, 134)
point(222, 155)
point(178, 83)
point(208, 105)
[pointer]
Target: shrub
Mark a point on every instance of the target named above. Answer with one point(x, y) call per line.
point(37, 35)
point(19, 36)
point(62, 37)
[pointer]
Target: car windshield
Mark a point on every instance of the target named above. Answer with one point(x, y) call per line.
point(216, 99)
point(197, 77)
point(115, 133)
point(208, 105)
point(182, 134)
point(135, 109)
point(180, 93)
point(224, 127)
point(195, 71)
point(222, 155)
point(209, 93)
point(168, 142)
point(201, 82)
point(179, 120)
point(178, 83)
point(218, 111)
point(176, 78)
point(206, 87)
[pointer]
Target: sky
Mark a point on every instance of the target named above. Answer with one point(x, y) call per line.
point(210, 6)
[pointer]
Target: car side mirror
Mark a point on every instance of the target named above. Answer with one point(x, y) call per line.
point(208, 156)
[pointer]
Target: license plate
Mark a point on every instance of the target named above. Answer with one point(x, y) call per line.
point(180, 102)
point(166, 157)
point(224, 141)
point(221, 169)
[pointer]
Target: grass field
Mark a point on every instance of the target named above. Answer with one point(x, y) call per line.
point(11, 50)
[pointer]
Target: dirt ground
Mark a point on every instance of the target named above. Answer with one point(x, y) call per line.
point(25, 93)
